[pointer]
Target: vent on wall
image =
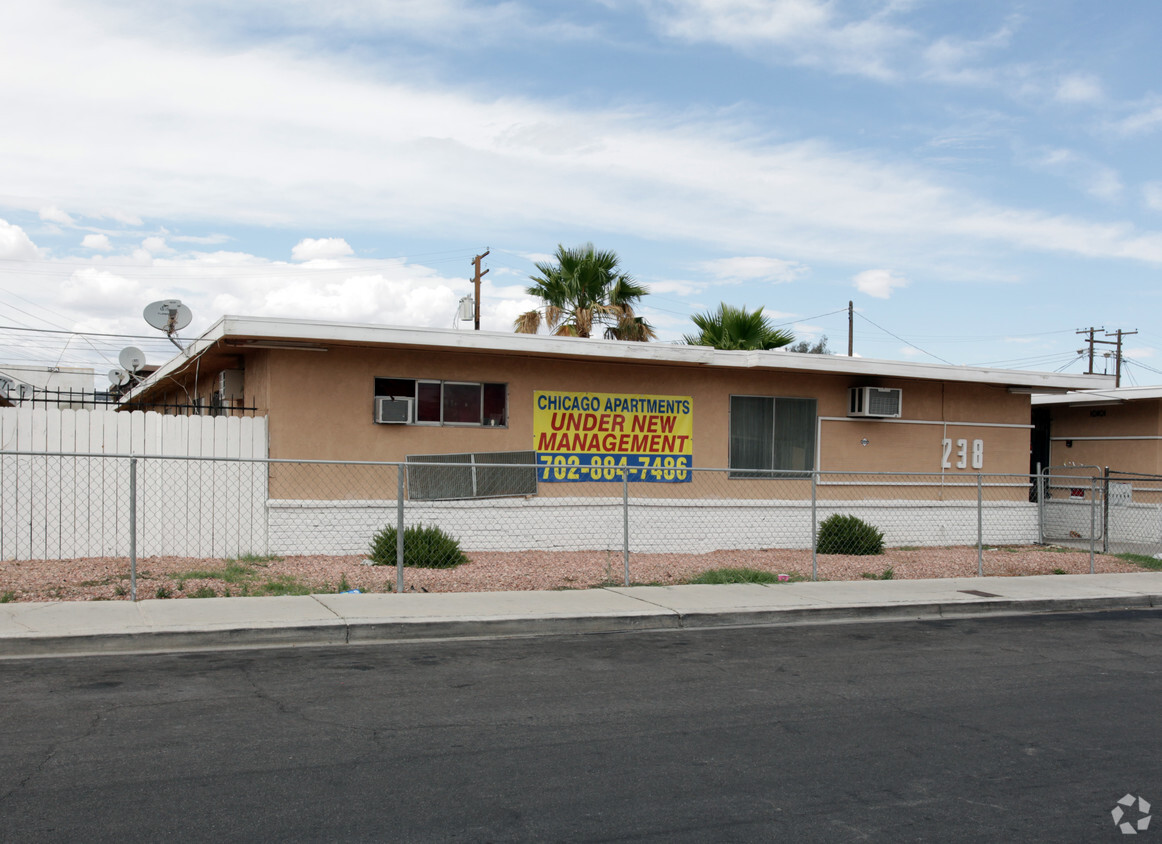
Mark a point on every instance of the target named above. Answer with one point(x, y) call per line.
point(879, 402)
point(230, 383)
point(389, 411)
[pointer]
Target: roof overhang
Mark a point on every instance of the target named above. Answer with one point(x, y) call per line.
point(1100, 397)
point(236, 334)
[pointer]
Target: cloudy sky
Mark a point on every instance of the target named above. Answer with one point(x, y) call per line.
point(981, 178)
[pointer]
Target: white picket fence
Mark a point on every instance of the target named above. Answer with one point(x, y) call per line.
point(61, 507)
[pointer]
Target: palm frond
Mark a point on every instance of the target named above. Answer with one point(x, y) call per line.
point(734, 328)
point(527, 323)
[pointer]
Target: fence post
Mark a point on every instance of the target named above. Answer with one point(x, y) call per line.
point(979, 525)
point(132, 528)
point(814, 525)
point(1092, 519)
point(1042, 487)
point(399, 528)
point(1105, 511)
point(625, 519)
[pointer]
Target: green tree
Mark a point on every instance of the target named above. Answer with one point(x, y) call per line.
point(737, 328)
point(808, 348)
point(583, 290)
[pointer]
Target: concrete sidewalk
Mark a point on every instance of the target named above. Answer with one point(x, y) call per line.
point(75, 628)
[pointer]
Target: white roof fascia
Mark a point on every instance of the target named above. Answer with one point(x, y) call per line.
point(1117, 395)
point(270, 328)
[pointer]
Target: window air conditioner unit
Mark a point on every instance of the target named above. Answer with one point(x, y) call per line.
point(389, 411)
point(874, 401)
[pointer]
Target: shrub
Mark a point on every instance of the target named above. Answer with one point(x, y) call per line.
point(424, 546)
point(848, 535)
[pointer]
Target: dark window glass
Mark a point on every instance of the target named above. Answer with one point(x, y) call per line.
point(461, 403)
point(396, 388)
point(494, 404)
point(428, 401)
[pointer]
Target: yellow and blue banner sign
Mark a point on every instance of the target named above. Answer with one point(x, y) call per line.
point(594, 436)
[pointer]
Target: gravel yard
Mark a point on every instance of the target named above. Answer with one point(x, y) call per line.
point(107, 578)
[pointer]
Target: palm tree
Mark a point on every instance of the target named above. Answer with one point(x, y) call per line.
point(737, 328)
point(585, 289)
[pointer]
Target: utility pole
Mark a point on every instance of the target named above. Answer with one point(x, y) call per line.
point(1117, 353)
point(1090, 332)
point(476, 284)
point(850, 330)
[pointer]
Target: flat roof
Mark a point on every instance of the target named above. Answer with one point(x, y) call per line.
point(1113, 395)
point(237, 333)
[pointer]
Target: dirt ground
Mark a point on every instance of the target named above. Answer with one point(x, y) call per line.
point(106, 578)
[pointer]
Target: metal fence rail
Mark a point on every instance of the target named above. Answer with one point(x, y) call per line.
point(62, 506)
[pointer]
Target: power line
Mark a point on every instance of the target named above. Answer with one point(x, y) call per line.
point(902, 340)
point(79, 333)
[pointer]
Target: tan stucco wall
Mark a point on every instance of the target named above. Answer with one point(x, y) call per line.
point(320, 406)
point(1088, 436)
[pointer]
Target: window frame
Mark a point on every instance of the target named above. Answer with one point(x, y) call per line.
point(772, 473)
point(441, 422)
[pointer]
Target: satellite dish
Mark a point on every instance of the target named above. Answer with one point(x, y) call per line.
point(168, 315)
point(131, 358)
point(6, 385)
point(118, 377)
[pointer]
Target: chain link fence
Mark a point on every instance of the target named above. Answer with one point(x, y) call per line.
point(641, 522)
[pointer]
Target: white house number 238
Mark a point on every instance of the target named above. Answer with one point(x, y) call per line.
point(964, 457)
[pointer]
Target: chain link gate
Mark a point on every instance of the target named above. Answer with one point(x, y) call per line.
point(1132, 512)
point(1071, 505)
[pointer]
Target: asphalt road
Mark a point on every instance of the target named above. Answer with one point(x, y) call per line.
point(1017, 729)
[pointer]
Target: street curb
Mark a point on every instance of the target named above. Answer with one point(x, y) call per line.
point(339, 632)
point(912, 612)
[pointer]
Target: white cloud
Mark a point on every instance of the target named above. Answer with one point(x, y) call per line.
point(15, 245)
point(155, 246)
point(963, 61)
point(52, 214)
point(807, 32)
point(1146, 118)
point(675, 287)
point(878, 283)
point(744, 269)
point(173, 128)
point(1152, 195)
point(109, 298)
point(1077, 88)
point(97, 242)
point(1095, 178)
point(90, 285)
point(310, 249)
point(202, 240)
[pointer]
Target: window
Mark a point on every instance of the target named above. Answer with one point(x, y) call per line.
point(768, 433)
point(449, 402)
point(475, 475)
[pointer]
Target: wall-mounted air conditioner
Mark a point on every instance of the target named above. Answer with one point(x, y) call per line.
point(389, 411)
point(880, 402)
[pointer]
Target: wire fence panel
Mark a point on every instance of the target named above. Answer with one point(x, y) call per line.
point(329, 508)
point(622, 524)
point(934, 509)
point(1133, 513)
